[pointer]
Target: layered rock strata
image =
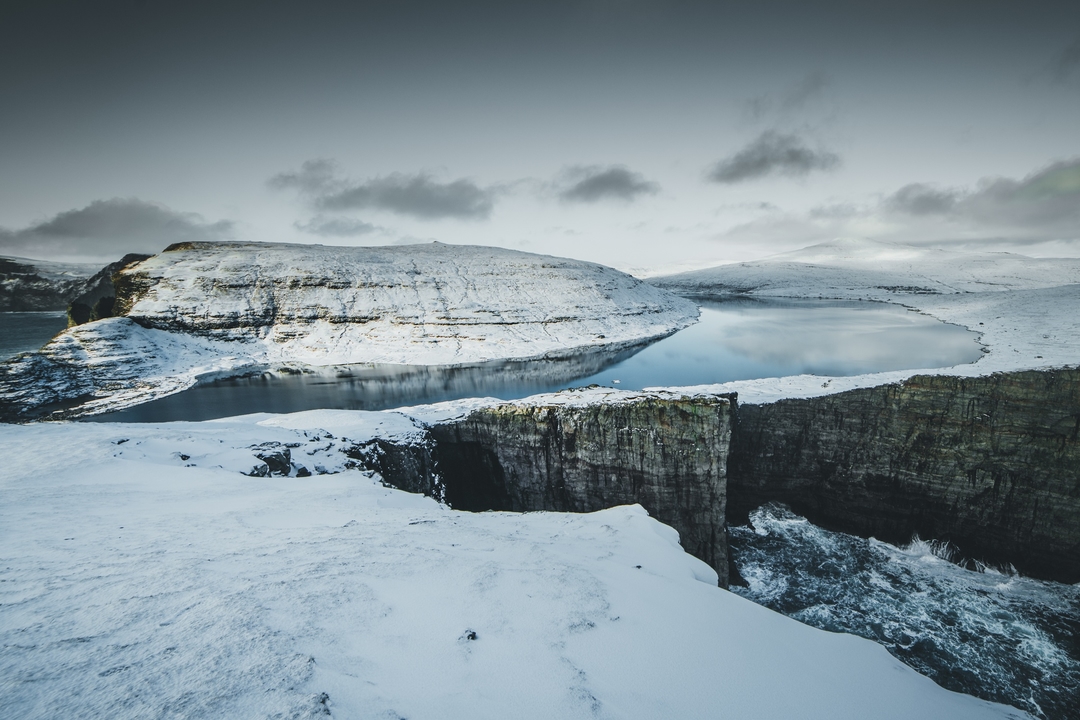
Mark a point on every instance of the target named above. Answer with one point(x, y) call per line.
point(417, 304)
point(991, 464)
point(667, 453)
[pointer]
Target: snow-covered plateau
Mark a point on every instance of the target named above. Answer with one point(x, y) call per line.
point(145, 575)
point(203, 310)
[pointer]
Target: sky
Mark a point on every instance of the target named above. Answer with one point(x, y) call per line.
point(649, 136)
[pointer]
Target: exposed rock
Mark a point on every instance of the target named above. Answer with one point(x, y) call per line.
point(79, 314)
point(278, 461)
point(667, 453)
point(405, 464)
point(100, 286)
point(991, 464)
point(26, 286)
point(31, 285)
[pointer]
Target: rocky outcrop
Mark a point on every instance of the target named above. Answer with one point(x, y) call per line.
point(991, 464)
point(667, 453)
point(408, 465)
point(30, 285)
point(26, 287)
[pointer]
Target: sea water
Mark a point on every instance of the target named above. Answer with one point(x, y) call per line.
point(27, 331)
point(975, 629)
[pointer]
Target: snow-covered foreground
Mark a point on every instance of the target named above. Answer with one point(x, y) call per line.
point(144, 576)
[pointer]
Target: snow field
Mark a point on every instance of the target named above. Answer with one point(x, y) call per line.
point(149, 578)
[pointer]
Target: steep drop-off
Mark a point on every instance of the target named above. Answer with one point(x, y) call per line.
point(35, 285)
point(991, 464)
point(667, 453)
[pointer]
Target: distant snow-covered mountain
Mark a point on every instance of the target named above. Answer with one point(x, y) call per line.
point(858, 268)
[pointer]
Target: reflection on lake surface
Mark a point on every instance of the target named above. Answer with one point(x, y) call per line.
point(734, 340)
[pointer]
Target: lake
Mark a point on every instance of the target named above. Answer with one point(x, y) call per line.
point(734, 340)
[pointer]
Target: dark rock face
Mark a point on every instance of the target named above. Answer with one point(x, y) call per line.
point(669, 455)
point(409, 467)
point(23, 288)
point(26, 287)
point(991, 464)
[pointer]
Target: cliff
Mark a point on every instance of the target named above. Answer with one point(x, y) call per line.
point(667, 453)
point(991, 464)
point(32, 285)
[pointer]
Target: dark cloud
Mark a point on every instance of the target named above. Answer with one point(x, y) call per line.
point(1046, 202)
point(107, 229)
point(1067, 64)
point(773, 153)
point(313, 177)
point(337, 227)
point(419, 195)
point(594, 183)
point(922, 199)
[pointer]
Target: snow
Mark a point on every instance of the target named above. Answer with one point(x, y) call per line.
point(1027, 310)
point(144, 576)
point(215, 309)
point(56, 270)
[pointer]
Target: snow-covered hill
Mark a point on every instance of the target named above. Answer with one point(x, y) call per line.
point(145, 576)
point(873, 269)
point(201, 309)
point(1027, 310)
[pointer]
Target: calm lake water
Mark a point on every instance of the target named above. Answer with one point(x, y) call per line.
point(27, 331)
point(734, 340)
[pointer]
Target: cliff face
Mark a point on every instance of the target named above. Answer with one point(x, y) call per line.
point(991, 464)
point(669, 455)
point(39, 285)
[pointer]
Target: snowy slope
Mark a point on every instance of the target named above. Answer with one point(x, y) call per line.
point(1027, 310)
point(144, 576)
point(423, 304)
point(209, 309)
point(869, 268)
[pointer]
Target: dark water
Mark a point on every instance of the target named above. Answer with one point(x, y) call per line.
point(27, 331)
point(734, 340)
point(991, 634)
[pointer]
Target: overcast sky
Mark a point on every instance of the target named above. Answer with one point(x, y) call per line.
point(637, 134)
